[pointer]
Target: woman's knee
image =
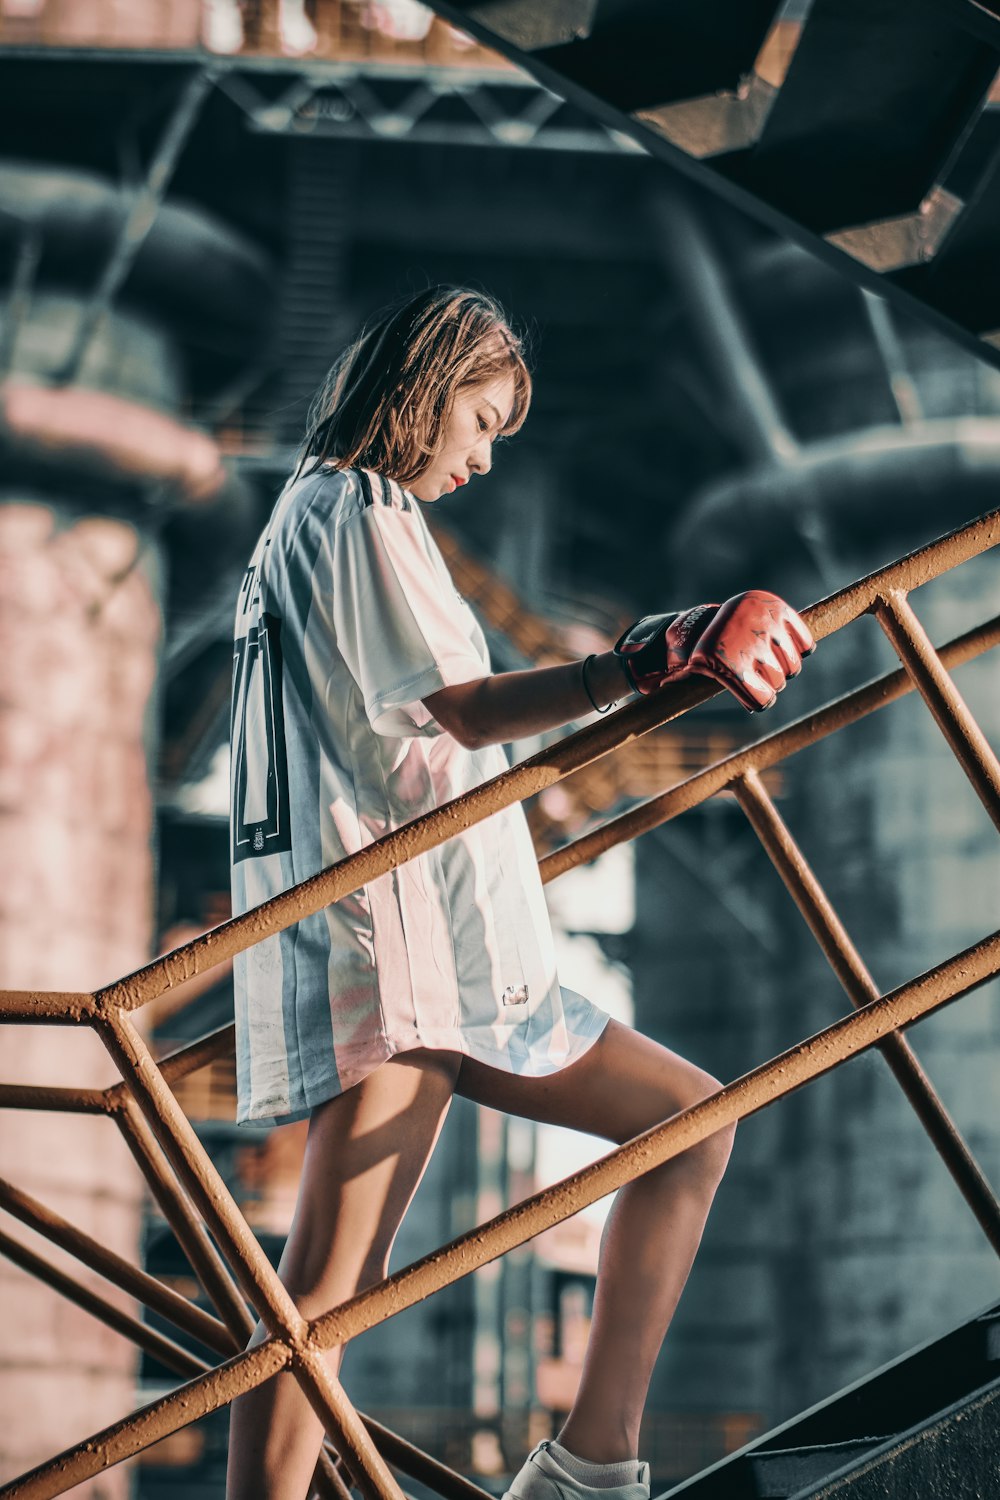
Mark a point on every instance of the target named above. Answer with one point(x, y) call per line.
point(707, 1158)
point(715, 1149)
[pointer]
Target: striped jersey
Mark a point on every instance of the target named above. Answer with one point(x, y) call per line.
point(347, 619)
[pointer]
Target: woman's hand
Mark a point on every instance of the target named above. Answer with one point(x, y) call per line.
point(751, 644)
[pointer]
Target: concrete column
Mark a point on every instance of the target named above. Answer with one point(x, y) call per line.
point(80, 629)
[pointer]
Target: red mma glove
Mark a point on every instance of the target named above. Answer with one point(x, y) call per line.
point(751, 645)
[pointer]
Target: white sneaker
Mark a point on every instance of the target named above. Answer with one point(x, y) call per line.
point(542, 1477)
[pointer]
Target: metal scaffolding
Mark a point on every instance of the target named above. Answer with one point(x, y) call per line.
point(196, 1202)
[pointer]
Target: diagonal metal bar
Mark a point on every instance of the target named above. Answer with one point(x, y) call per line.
point(128, 1278)
point(773, 1080)
point(524, 780)
point(760, 756)
point(185, 1314)
point(969, 744)
point(140, 1429)
point(250, 1265)
point(302, 1344)
point(139, 219)
point(521, 781)
point(369, 1471)
point(849, 967)
point(328, 1479)
point(29, 253)
point(191, 1235)
point(781, 1075)
point(195, 1055)
point(200, 1178)
point(163, 1349)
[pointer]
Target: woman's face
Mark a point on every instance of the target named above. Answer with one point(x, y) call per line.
point(479, 412)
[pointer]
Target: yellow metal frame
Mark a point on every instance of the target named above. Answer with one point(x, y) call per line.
point(197, 1203)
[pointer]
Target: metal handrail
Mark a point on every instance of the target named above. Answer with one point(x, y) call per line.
point(195, 1197)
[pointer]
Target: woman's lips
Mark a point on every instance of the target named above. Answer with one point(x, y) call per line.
point(457, 480)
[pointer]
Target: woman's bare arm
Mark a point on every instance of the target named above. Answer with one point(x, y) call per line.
point(515, 705)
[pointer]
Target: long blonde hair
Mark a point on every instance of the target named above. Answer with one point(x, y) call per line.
point(385, 402)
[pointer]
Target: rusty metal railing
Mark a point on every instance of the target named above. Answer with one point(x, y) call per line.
point(233, 1270)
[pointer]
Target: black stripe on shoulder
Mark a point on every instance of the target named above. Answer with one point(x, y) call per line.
point(395, 494)
point(366, 487)
point(386, 490)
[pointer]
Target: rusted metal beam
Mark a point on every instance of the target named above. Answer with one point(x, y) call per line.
point(849, 967)
point(790, 1070)
point(53, 1006)
point(139, 1430)
point(773, 1080)
point(61, 1100)
point(206, 1262)
point(328, 1480)
point(760, 756)
point(370, 1473)
point(299, 1345)
point(162, 1348)
point(196, 1054)
point(201, 1325)
point(521, 781)
point(199, 1177)
point(969, 744)
point(128, 1278)
point(253, 1270)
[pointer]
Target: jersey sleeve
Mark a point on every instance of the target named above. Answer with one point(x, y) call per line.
point(400, 625)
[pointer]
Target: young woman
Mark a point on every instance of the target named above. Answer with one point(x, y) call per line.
point(363, 697)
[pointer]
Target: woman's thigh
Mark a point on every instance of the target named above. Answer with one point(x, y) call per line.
point(366, 1151)
point(624, 1084)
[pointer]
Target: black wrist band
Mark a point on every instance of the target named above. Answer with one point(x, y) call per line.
point(586, 687)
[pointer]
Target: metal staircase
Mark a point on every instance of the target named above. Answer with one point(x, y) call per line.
point(924, 1425)
point(864, 129)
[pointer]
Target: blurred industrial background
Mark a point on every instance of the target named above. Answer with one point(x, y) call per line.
point(199, 202)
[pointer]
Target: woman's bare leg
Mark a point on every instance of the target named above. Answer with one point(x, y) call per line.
point(623, 1085)
point(365, 1154)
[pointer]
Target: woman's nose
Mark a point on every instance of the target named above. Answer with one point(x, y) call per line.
point(481, 457)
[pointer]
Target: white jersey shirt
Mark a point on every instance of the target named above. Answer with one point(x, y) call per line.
point(346, 620)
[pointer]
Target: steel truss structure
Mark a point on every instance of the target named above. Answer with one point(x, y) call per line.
point(429, 106)
point(193, 1197)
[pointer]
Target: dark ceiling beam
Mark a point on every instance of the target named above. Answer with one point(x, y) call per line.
point(732, 193)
